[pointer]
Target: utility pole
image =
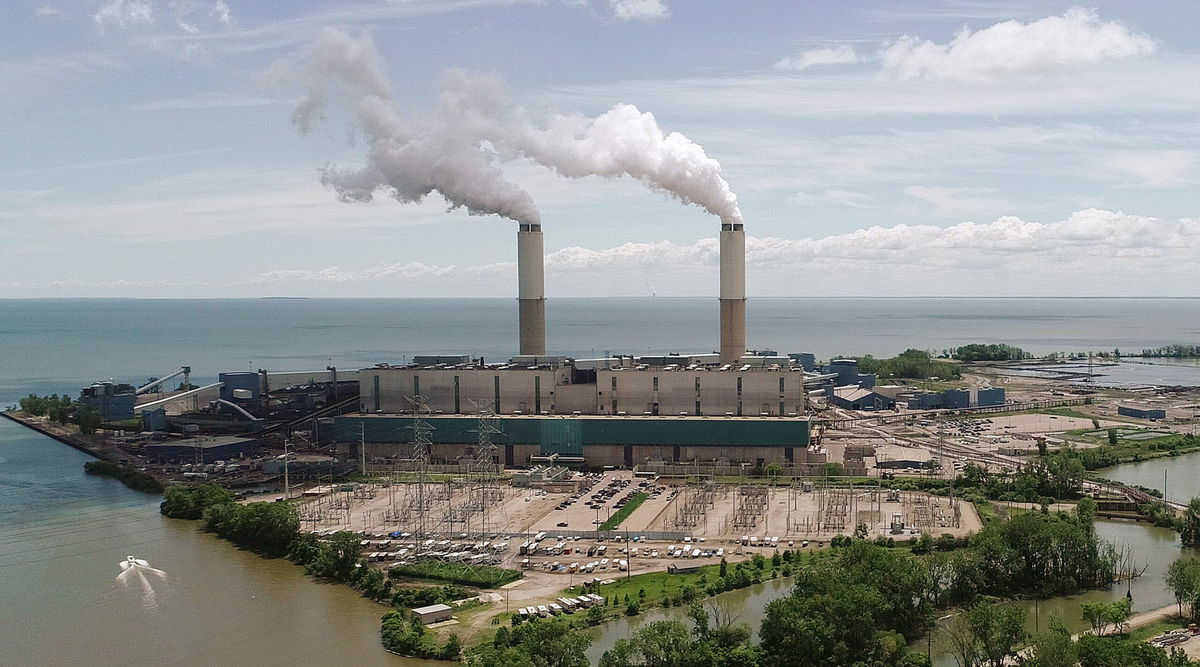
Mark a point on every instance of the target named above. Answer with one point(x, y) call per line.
point(362, 446)
point(286, 485)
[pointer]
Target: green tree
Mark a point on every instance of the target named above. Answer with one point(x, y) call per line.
point(986, 634)
point(268, 528)
point(345, 551)
point(1113, 652)
point(452, 649)
point(1113, 437)
point(551, 644)
point(657, 644)
point(404, 634)
point(848, 611)
point(1054, 648)
point(1189, 527)
point(989, 352)
point(494, 656)
point(1183, 578)
point(90, 422)
point(1085, 509)
point(1097, 615)
point(503, 636)
point(830, 470)
point(184, 502)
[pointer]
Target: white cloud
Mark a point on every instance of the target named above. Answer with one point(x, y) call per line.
point(639, 10)
point(187, 27)
point(1162, 85)
point(1076, 38)
point(125, 12)
point(833, 55)
point(1151, 169)
point(957, 201)
point(221, 12)
point(1092, 251)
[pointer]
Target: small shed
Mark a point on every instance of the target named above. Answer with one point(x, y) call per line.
point(434, 613)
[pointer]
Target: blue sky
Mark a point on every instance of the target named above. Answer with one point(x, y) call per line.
point(923, 148)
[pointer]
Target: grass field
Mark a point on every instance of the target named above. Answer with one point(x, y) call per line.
point(662, 585)
point(481, 576)
point(1147, 631)
point(623, 513)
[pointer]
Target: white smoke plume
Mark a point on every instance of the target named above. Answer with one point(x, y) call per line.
point(454, 148)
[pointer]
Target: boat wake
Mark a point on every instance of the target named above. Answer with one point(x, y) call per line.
point(137, 575)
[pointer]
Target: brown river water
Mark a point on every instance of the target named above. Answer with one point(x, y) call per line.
point(65, 600)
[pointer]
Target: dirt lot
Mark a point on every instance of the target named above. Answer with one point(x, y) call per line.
point(793, 514)
point(723, 514)
point(1041, 424)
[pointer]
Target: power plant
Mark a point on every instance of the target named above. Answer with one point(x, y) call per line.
point(531, 290)
point(616, 410)
point(609, 409)
point(733, 292)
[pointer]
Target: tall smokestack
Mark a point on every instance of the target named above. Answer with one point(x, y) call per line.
point(733, 292)
point(531, 289)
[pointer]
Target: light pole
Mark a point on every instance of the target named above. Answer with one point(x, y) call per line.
point(286, 485)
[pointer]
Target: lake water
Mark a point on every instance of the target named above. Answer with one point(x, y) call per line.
point(1175, 476)
point(62, 533)
point(60, 344)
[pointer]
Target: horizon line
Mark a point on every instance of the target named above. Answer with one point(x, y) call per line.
point(619, 296)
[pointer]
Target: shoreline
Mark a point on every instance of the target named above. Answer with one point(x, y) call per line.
point(64, 438)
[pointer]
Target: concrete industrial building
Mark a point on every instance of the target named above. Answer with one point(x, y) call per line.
point(200, 450)
point(585, 439)
point(611, 411)
point(434, 613)
point(955, 399)
point(848, 374)
point(860, 398)
point(690, 385)
point(103, 398)
point(1142, 412)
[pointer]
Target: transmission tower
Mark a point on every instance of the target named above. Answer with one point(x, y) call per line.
point(484, 470)
point(417, 496)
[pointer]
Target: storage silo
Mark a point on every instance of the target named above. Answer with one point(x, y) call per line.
point(242, 380)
